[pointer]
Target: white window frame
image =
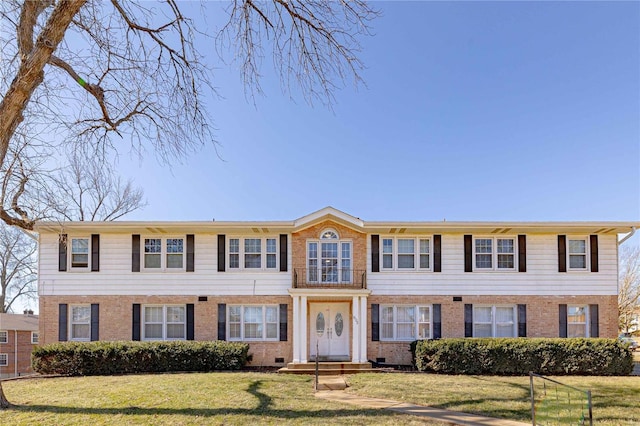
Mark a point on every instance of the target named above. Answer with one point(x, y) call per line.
point(416, 323)
point(35, 337)
point(395, 255)
point(344, 264)
point(164, 322)
point(72, 323)
point(164, 253)
point(4, 360)
point(264, 254)
point(587, 320)
point(70, 253)
point(586, 253)
point(494, 324)
point(4, 339)
point(495, 254)
point(242, 323)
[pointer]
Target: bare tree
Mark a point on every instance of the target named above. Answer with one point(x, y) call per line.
point(629, 287)
point(17, 267)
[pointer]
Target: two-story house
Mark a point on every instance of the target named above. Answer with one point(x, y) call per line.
point(18, 336)
point(327, 285)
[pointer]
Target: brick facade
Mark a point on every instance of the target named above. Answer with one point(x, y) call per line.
point(18, 351)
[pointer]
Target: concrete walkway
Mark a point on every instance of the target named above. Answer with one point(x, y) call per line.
point(332, 388)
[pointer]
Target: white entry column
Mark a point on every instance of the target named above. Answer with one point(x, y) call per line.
point(355, 342)
point(303, 329)
point(359, 342)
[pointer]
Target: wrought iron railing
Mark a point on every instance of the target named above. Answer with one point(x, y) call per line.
point(330, 277)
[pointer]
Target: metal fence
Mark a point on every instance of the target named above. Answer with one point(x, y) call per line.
point(555, 403)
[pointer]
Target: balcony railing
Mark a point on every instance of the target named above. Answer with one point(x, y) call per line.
point(329, 277)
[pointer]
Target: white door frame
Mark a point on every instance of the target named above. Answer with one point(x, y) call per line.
point(330, 338)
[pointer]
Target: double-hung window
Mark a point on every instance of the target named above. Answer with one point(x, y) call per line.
point(4, 360)
point(80, 322)
point(249, 322)
point(577, 321)
point(80, 253)
point(494, 321)
point(495, 254)
point(35, 337)
point(329, 259)
point(402, 254)
point(577, 254)
point(405, 322)
point(164, 253)
point(253, 253)
point(4, 336)
point(164, 322)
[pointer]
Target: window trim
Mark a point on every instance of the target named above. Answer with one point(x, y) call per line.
point(416, 325)
point(71, 323)
point(163, 253)
point(587, 320)
point(416, 253)
point(35, 341)
point(514, 328)
point(242, 323)
point(6, 337)
point(241, 253)
point(340, 260)
point(586, 254)
point(164, 338)
point(6, 360)
point(70, 253)
point(494, 253)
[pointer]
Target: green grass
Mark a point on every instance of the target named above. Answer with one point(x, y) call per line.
point(181, 399)
point(615, 399)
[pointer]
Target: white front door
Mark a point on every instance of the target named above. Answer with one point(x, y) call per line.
point(329, 325)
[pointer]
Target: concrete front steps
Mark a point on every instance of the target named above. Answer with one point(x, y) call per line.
point(326, 368)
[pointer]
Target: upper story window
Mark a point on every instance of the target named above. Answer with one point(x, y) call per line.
point(164, 253)
point(164, 322)
point(253, 253)
point(495, 253)
point(401, 254)
point(329, 259)
point(35, 337)
point(405, 322)
point(253, 322)
point(4, 360)
point(577, 321)
point(577, 253)
point(4, 336)
point(80, 322)
point(494, 321)
point(80, 252)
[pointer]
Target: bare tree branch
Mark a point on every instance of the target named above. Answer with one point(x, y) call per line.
point(629, 286)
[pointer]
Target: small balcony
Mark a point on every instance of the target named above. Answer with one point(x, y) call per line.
point(330, 277)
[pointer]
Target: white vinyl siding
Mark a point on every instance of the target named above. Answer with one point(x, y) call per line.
point(253, 323)
point(405, 322)
point(494, 321)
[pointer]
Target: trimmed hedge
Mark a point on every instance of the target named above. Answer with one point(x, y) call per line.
point(106, 358)
point(519, 356)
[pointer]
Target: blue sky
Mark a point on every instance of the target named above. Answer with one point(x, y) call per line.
point(483, 111)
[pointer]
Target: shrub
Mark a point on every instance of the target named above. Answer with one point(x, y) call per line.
point(105, 358)
point(515, 357)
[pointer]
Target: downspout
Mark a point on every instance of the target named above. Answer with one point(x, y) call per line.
point(15, 353)
point(629, 235)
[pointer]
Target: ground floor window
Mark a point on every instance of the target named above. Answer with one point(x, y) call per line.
point(80, 323)
point(494, 321)
point(405, 322)
point(577, 321)
point(250, 322)
point(164, 322)
point(4, 360)
point(4, 336)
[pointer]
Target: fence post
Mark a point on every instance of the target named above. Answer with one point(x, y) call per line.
point(533, 401)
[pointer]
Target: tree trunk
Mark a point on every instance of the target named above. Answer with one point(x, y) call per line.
point(4, 402)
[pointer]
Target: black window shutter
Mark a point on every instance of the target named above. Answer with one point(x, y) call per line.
point(468, 320)
point(593, 242)
point(95, 252)
point(375, 253)
point(95, 322)
point(437, 321)
point(62, 253)
point(135, 324)
point(283, 253)
point(62, 322)
point(522, 320)
point(221, 254)
point(190, 321)
point(135, 253)
point(283, 322)
point(222, 321)
point(562, 316)
point(562, 253)
point(594, 328)
point(522, 253)
point(468, 254)
point(375, 322)
point(437, 253)
point(191, 249)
